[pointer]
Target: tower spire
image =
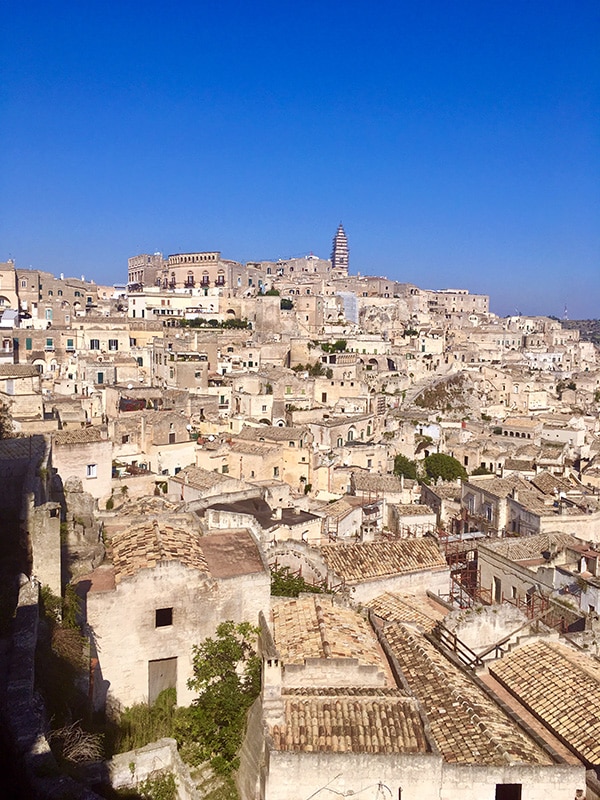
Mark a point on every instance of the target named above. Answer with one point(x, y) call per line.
point(339, 251)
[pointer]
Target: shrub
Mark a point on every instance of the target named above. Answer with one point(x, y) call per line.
point(404, 466)
point(440, 465)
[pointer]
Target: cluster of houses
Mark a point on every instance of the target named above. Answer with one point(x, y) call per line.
point(210, 422)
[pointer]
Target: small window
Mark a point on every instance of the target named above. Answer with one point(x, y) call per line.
point(163, 617)
point(94, 344)
point(113, 344)
point(28, 344)
point(91, 471)
point(125, 438)
point(275, 472)
point(225, 469)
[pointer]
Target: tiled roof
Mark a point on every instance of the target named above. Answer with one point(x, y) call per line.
point(199, 478)
point(467, 727)
point(413, 509)
point(18, 371)
point(548, 483)
point(143, 547)
point(80, 435)
point(350, 723)
point(561, 689)
point(372, 482)
point(396, 608)
point(272, 433)
point(519, 464)
point(312, 627)
point(355, 562)
point(231, 553)
point(526, 547)
point(521, 422)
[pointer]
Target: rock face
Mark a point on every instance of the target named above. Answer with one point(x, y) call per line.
point(81, 539)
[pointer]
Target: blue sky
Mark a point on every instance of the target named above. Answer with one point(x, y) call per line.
point(459, 142)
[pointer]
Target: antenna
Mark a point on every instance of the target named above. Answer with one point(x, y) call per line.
point(566, 313)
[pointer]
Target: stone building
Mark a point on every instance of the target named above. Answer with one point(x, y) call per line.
point(86, 454)
point(174, 587)
point(339, 252)
point(334, 714)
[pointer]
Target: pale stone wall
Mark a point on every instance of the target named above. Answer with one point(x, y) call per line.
point(71, 461)
point(304, 774)
point(424, 776)
point(319, 672)
point(471, 782)
point(436, 581)
point(128, 770)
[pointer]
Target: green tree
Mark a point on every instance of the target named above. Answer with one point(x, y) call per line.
point(439, 465)
point(404, 466)
point(285, 583)
point(272, 293)
point(227, 679)
point(286, 304)
point(482, 471)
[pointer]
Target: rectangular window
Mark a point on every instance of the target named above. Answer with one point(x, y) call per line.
point(113, 344)
point(125, 438)
point(49, 344)
point(275, 472)
point(508, 791)
point(163, 617)
point(28, 344)
point(91, 471)
point(49, 313)
point(100, 377)
point(70, 345)
point(94, 344)
point(225, 469)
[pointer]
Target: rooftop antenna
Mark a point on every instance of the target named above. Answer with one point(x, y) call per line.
point(566, 313)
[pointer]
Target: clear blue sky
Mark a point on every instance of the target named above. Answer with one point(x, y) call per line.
point(459, 142)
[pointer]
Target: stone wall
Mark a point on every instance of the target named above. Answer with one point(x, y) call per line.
point(128, 770)
point(37, 771)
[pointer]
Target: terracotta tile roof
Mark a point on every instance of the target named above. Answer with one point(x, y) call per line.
point(527, 547)
point(548, 483)
point(350, 723)
point(467, 727)
point(397, 608)
point(80, 436)
point(561, 688)
point(372, 482)
point(146, 546)
point(356, 562)
point(230, 553)
point(18, 371)
point(413, 509)
point(199, 478)
point(273, 433)
point(311, 627)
